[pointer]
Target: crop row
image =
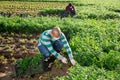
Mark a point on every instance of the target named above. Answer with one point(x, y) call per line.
point(90, 73)
point(89, 39)
point(28, 8)
point(84, 10)
point(16, 46)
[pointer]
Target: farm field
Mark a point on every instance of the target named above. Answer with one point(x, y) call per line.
point(25, 9)
point(93, 34)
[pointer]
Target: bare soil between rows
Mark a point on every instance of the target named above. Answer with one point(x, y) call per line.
point(18, 46)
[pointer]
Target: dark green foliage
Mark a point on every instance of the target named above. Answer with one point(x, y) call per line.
point(51, 12)
point(88, 38)
point(112, 60)
point(93, 15)
point(89, 73)
point(93, 34)
point(29, 66)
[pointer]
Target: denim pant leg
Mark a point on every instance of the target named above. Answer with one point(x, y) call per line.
point(72, 13)
point(65, 14)
point(58, 45)
point(43, 49)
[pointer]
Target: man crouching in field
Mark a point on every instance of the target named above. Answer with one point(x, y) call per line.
point(50, 44)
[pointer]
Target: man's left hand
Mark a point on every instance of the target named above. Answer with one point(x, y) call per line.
point(73, 62)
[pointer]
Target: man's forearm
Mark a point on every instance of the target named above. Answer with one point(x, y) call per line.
point(70, 56)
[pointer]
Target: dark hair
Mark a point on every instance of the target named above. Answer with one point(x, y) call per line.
point(70, 4)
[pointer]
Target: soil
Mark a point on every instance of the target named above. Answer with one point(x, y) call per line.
point(17, 46)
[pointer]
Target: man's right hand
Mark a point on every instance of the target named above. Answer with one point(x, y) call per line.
point(64, 60)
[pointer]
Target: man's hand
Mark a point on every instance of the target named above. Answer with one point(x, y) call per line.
point(64, 60)
point(73, 62)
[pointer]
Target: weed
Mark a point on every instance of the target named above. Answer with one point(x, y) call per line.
point(1, 37)
point(58, 64)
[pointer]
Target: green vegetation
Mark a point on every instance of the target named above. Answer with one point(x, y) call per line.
point(89, 73)
point(24, 9)
point(57, 64)
point(29, 66)
point(93, 34)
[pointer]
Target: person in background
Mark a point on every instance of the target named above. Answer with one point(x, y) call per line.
point(70, 10)
point(50, 44)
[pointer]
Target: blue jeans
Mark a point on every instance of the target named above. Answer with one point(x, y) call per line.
point(57, 45)
point(66, 13)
